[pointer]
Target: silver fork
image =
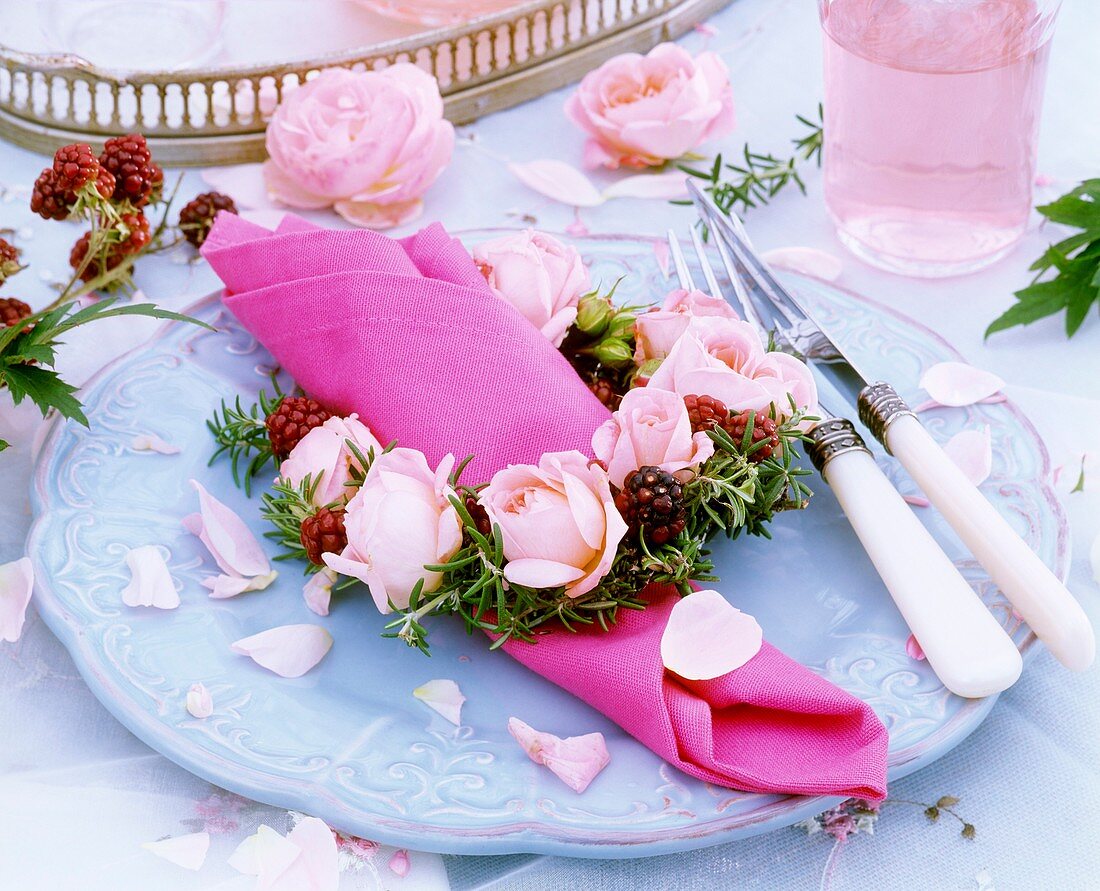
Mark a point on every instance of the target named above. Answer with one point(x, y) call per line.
point(966, 647)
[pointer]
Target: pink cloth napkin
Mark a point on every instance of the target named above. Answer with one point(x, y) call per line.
point(408, 334)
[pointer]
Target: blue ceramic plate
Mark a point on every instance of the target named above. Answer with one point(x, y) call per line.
point(348, 742)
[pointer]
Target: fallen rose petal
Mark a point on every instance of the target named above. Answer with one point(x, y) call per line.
point(913, 649)
point(288, 650)
point(1094, 559)
point(266, 855)
point(660, 252)
point(227, 538)
point(188, 851)
point(150, 582)
point(444, 697)
point(807, 260)
point(929, 404)
point(577, 228)
point(916, 500)
point(972, 452)
point(379, 216)
point(225, 586)
point(16, 585)
point(664, 186)
point(575, 760)
point(956, 383)
point(399, 863)
point(558, 180)
point(150, 442)
point(199, 702)
point(317, 866)
point(318, 591)
point(707, 637)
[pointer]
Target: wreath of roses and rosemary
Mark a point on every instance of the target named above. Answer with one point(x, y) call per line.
point(343, 503)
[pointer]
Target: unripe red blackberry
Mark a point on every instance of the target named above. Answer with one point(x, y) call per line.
point(705, 412)
point(128, 158)
point(323, 533)
point(12, 311)
point(292, 419)
point(763, 430)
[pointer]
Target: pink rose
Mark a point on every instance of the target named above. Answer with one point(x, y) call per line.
point(558, 520)
point(651, 427)
point(657, 330)
point(399, 521)
point(323, 453)
point(541, 277)
point(367, 143)
point(726, 359)
point(644, 110)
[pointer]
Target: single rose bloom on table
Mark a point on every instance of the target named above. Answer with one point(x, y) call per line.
point(656, 331)
point(650, 428)
point(641, 111)
point(559, 523)
point(726, 359)
point(325, 456)
point(399, 521)
point(366, 143)
point(540, 276)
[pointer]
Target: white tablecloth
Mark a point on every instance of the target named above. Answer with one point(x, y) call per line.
point(78, 794)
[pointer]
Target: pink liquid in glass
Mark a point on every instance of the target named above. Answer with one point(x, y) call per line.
point(931, 121)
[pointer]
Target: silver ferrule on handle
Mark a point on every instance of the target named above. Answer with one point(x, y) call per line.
point(879, 406)
point(832, 437)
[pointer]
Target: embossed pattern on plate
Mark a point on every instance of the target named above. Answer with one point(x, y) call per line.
point(348, 742)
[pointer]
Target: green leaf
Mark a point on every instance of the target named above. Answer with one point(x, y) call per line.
point(4, 444)
point(44, 388)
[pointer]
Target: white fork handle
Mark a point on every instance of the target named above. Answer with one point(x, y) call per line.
point(966, 647)
point(1035, 592)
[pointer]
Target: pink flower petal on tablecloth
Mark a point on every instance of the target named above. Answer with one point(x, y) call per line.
point(288, 650)
point(957, 384)
point(442, 696)
point(150, 442)
point(223, 587)
point(266, 855)
point(916, 500)
point(399, 863)
point(188, 851)
point(16, 585)
point(317, 592)
point(972, 451)
point(913, 649)
point(557, 180)
point(575, 760)
point(317, 867)
point(663, 186)
point(660, 252)
point(227, 538)
point(199, 701)
point(807, 260)
point(379, 216)
point(150, 582)
point(1094, 559)
point(707, 637)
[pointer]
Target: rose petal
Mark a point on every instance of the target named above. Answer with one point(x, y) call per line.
point(244, 183)
point(558, 180)
point(807, 260)
point(150, 582)
point(150, 442)
point(317, 867)
point(188, 851)
point(443, 696)
point(379, 216)
point(399, 863)
point(664, 186)
point(660, 252)
point(707, 637)
point(266, 855)
point(318, 591)
point(972, 451)
point(1094, 559)
point(575, 760)
point(199, 702)
point(288, 650)
point(535, 573)
point(957, 384)
point(913, 649)
point(16, 585)
point(225, 586)
point(230, 542)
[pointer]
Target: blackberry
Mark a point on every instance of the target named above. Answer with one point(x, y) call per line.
point(763, 430)
point(128, 158)
point(323, 533)
point(292, 419)
point(479, 515)
point(48, 199)
point(75, 166)
point(604, 390)
point(197, 216)
point(705, 412)
point(12, 311)
point(9, 260)
point(652, 502)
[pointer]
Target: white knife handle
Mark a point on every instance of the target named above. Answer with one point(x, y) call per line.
point(1036, 593)
point(969, 651)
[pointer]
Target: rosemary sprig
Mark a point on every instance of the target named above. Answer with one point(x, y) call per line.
point(242, 435)
point(285, 507)
point(759, 177)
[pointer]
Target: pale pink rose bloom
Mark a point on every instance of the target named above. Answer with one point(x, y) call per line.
point(324, 452)
point(651, 428)
point(641, 111)
point(656, 331)
point(367, 143)
point(398, 522)
point(540, 276)
point(558, 521)
point(726, 359)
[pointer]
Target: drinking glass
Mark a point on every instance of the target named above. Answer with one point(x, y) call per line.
point(931, 123)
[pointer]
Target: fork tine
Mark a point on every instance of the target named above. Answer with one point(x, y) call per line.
point(679, 262)
point(704, 264)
